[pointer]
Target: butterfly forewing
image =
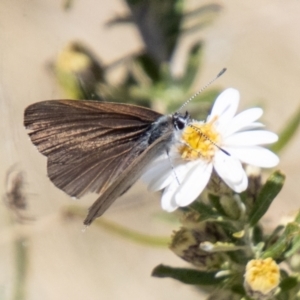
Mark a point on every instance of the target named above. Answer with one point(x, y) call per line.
point(88, 143)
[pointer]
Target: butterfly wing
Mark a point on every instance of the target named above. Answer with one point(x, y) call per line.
point(130, 175)
point(88, 143)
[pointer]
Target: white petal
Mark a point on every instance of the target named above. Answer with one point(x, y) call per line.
point(229, 168)
point(168, 197)
point(251, 138)
point(158, 175)
point(181, 170)
point(238, 187)
point(161, 181)
point(252, 126)
point(243, 119)
point(225, 106)
point(165, 169)
point(194, 183)
point(179, 174)
point(256, 156)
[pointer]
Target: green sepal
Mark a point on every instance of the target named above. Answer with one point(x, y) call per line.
point(188, 276)
point(266, 196)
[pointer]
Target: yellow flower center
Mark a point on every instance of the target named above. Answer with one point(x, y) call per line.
point(199, 140)
point(262, 275)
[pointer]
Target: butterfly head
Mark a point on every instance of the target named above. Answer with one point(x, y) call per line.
point(180, 121)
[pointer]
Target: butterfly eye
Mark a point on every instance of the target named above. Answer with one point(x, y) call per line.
point(180, 121)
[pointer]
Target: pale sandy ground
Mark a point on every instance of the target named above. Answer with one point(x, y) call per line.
point(259, 43)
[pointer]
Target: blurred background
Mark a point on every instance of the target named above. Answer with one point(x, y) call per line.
point(155, 55)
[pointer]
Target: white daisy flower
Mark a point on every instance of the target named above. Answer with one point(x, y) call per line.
point(223, 143)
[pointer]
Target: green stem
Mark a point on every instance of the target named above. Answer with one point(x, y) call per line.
point(21, 259)
point(133, 235)
point(138, 237)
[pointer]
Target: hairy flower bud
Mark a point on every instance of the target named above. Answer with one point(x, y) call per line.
point(262, 278)
point(186, 244)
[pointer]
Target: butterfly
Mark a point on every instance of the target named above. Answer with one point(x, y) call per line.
point(99, 147)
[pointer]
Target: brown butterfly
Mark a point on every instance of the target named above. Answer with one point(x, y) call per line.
point(99, 147)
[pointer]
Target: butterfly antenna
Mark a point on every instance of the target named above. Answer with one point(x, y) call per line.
point(199, 92)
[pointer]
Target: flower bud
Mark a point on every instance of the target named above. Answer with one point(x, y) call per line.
point(254, 185)
point(217, 186)
point(261, 278)
point(186, 244)
point(190, 220)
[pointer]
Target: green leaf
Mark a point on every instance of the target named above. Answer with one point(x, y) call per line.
point(233, 206)
point(276, 251)
point(202, 10)
point(200, 17)
point(222, 294)
point(188, 276)
point(297, 218)
point(273, 237)
point(205, 211)
point(119, 20)
point(238, 289)
point(159, 25)
point(149, 66)
point(215, 201)
point(266, 196)
point(238, 257)
point(258, 234)
point(295, 247)
point(288, 283)
point(192, 66)
point(287, 133)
